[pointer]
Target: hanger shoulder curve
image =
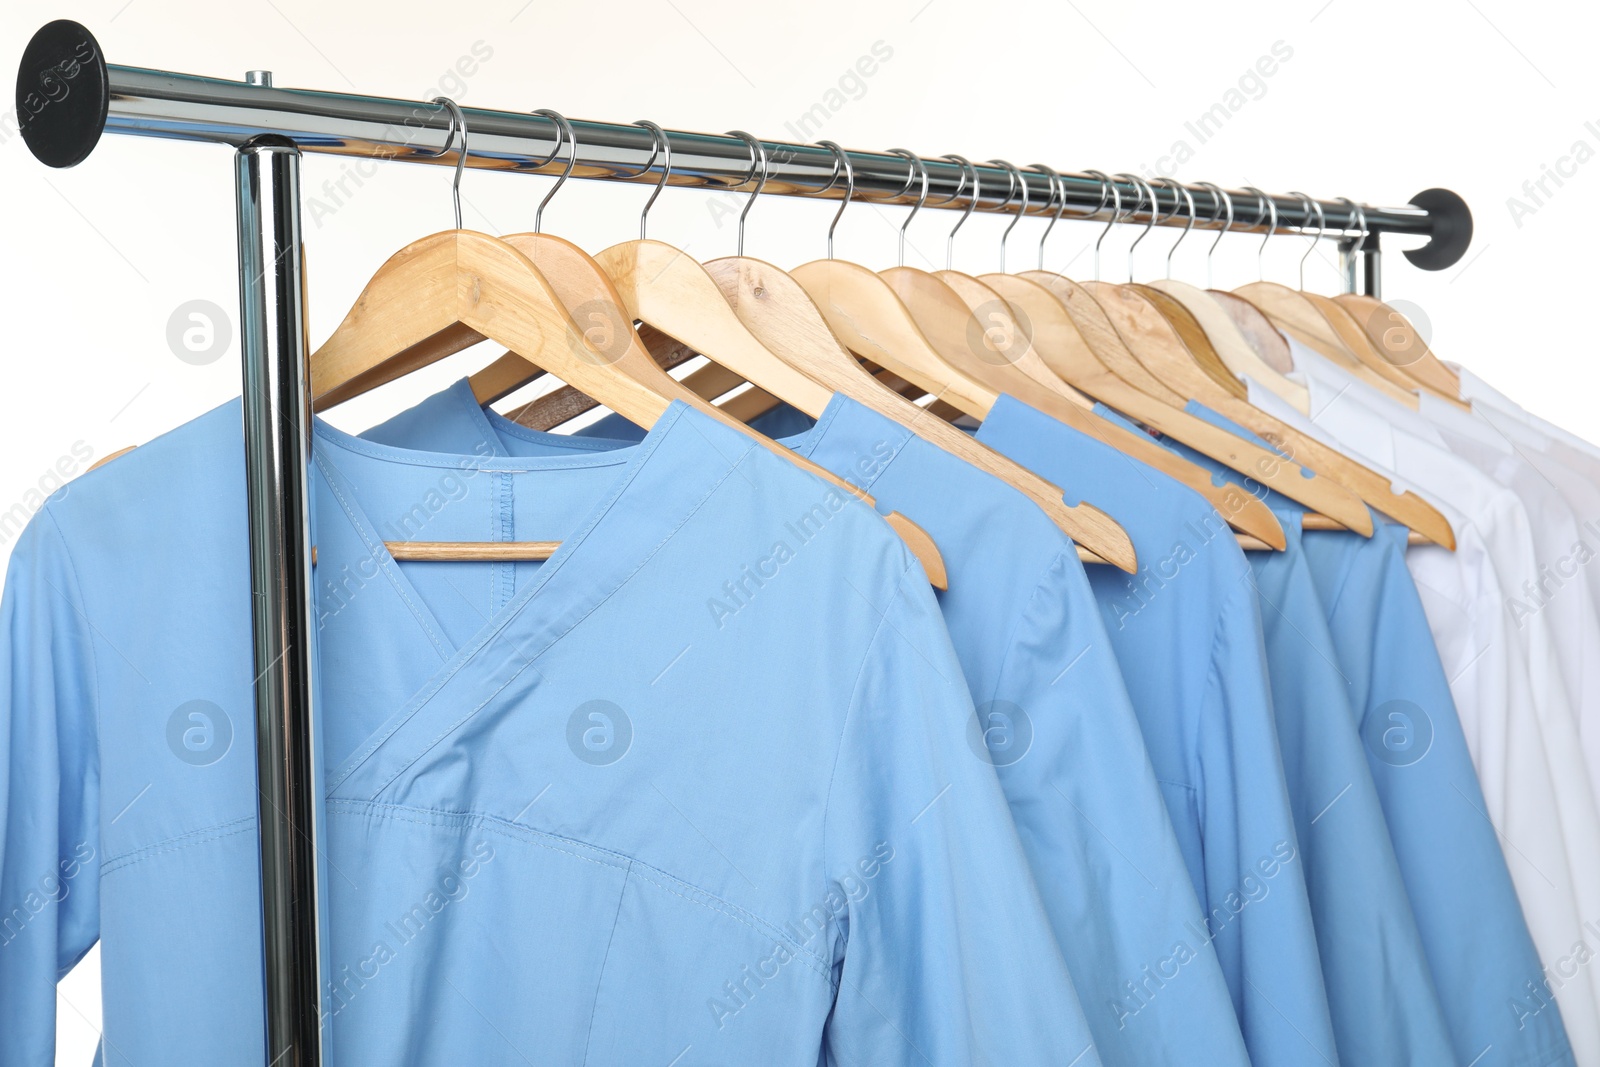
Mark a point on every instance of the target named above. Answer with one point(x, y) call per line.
point(1063, 349)
point(1237, 350)
point(664, 287)
point(1401, 386)
point(1398, 342)
point(445, 292)
point(871, 320)
point(750, 287)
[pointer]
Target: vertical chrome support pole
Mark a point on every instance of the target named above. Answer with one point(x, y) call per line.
point(1361, 265)
point(277, 441)
point(1372, 274)
point(1349, 267)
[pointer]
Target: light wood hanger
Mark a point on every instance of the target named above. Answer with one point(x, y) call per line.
point(1043, 386)
point(1296, 315)
point(780, 313)
point(796, 315)
point(1368, 484)
point(461, 281)
point(1395, 339)
point(1356, 339)
point(1015, 368)
point(1393, 335)
point(1258, 330)
point(1062, 347)
point(766, 300)
point(1233, 347)
point(1334, 466)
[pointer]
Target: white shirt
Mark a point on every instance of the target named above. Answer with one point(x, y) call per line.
point(1507, 682)
point(1563, 589)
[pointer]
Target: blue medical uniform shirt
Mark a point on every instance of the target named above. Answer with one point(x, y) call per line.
point(1052, 708)
point(1187, 633)
point(1485, 969)
point(1381, 994)
point(598, 823)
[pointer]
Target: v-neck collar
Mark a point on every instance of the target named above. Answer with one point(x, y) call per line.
point(660, 483)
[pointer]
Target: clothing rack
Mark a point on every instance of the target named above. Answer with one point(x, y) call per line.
point(68, 95)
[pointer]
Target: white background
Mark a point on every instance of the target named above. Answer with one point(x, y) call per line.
point(1377, 102)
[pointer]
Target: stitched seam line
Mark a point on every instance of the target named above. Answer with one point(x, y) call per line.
point(600, 980)
point(573, 850)
point(178, 844)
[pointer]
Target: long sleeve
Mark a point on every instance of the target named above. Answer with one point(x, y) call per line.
point(49, 840)
point(945, 954)
point(1255, 899)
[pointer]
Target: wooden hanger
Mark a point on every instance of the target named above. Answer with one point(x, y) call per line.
point(1063, 348)
point(1138, 394)
point(782, 316)
point(1165, 353)
point(464, 283)
point(936, 306)
point(1233, 346)
point(1298, 315)
point(966, 347)
point(770, 302)
point(864, 314)
point(622, 376)
point(1398, 341)
point(1356, 339)
point(1395, 340)
point(1258, 330)
point(1241, 510)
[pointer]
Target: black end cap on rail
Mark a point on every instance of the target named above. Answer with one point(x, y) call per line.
point(1452, 229)
point(63, 93)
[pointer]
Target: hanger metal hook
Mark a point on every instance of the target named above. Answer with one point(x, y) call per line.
point(1116, 212)
point(758, 158)
point(843, 158)
point(1019, 180)
point(1269, 209)
point(1144, 188)
point(950, 241)
point(917, 169)
point(458, 121)
point(660, 145)
point(1058, 200)
point(1322, 227)
point(1358, 216)
point(1221, 200)
point(1178, 188)
point(564, 135)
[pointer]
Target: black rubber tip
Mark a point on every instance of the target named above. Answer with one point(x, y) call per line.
point(62, 94)
point(1452, 229)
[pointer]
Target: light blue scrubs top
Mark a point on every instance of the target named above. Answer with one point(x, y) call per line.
point(1053, 716)
point(1485, 969)
point(1188, 635)
point(575, 814)
point(1380, 990)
